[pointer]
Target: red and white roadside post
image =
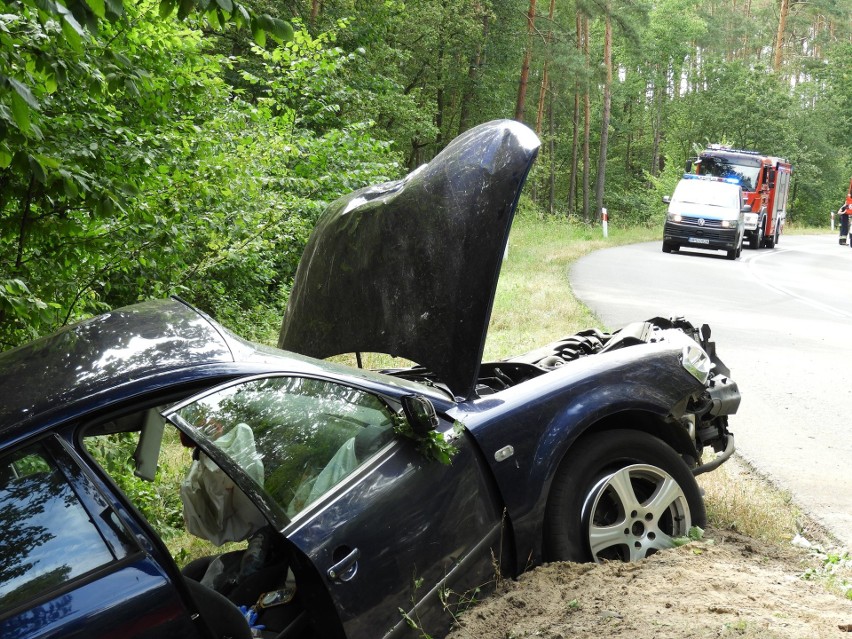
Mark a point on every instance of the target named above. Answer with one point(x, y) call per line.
point(604, 220)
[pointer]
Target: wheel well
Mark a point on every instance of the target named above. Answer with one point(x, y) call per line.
point(666, 429)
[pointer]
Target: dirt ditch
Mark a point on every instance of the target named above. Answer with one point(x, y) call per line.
point(725, 585)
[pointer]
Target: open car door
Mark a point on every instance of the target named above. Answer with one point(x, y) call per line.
point(376, 528)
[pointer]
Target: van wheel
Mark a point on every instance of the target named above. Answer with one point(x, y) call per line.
point(733, 254)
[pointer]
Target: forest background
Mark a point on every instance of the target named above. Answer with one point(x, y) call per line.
point(188, 146)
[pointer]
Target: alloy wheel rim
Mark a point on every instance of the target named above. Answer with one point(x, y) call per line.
point(634, 512)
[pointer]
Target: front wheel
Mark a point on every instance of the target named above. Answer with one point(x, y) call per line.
point(620, 495)
point(733, 254)
point(756, 240)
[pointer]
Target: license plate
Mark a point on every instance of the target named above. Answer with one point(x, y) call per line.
point(699, 240)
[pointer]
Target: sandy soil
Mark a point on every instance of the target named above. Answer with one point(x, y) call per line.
point(726, 585)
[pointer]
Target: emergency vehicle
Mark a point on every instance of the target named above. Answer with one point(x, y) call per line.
point(765, 181)
point(705, 212)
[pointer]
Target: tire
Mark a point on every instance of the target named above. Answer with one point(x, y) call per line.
point(600, 507)
point(739, 250)
point(733, 254)
point(756, 240)
point(667, 248)
point(772, 242)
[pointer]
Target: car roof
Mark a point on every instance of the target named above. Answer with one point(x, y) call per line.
point(133, 349)
point(105, 352)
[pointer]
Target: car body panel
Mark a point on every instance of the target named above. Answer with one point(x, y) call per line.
point(96, 356)
point(409, 268)
point(573, 398)
point(427, 519)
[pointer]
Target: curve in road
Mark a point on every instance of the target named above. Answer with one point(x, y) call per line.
point(781, 320)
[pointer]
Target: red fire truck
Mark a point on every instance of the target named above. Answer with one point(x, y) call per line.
point(765, 181)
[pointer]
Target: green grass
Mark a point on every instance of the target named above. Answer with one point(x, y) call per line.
point(534, 304)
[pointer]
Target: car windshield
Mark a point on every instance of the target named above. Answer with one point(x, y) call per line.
point(707, 193)
point(724, 168)
point(294, 437)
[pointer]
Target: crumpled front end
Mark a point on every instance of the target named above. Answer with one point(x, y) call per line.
point(703, 413)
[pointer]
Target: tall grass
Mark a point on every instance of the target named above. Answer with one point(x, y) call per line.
point(534, 303)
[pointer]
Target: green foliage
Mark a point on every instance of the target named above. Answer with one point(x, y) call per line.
point(142, 155)
point(164, 180)
point(158, 501)
point(434, 446)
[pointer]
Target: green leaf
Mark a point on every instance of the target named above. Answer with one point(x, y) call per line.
point(97, 7)
point(186, 7)
point(37, 169)
point(115, 8)
point(258, 34)
point(226, 5)
point(24, 91)
point(5, 157)
point(241, 17)
point(280, 30)
point(21, 112)
point(70, 187)
point(73, 33)
point(166, 8)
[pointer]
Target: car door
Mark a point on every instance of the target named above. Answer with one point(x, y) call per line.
point(68, 566)
point(385, 536)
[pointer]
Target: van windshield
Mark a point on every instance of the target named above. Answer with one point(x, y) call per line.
point(707, 193)
point(725, 168)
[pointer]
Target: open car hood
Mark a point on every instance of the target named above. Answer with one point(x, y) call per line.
point(410, 268)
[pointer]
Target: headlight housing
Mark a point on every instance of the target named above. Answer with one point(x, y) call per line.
point(674, 217)
point(696, 362)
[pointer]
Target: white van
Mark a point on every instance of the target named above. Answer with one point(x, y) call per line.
point(705, 212)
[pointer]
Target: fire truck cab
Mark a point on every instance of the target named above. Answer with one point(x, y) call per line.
point(765, 181)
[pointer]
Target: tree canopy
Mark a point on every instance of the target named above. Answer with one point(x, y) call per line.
point(187, 146)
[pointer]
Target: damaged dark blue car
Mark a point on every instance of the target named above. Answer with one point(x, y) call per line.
point(334, 478)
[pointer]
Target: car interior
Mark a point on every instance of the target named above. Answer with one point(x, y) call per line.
point(256, 574)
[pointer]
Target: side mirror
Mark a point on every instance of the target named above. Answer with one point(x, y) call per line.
point(420, 413)
point(667, 199)
point(746, 208)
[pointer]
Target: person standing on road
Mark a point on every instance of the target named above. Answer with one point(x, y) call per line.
point(844, 213)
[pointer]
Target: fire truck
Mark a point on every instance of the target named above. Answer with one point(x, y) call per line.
point(765, 181)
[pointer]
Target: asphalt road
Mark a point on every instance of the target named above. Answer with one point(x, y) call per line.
point(782, 320)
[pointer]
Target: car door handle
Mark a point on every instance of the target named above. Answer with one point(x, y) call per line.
point(346, 568)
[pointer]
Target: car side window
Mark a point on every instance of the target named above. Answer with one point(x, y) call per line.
point(296, 437)
point(47, 538)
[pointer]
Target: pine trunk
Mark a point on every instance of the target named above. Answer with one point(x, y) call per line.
point(525, 66)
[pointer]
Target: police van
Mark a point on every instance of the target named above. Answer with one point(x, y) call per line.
point(705, 212)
